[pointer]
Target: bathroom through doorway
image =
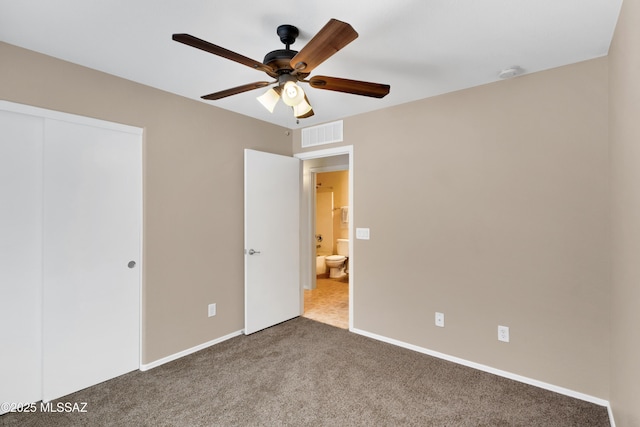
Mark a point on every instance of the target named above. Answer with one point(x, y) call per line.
point(328, 302)
point(327, 217)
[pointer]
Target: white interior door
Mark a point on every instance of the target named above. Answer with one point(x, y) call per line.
point(20, 258)
point(92, 220)
point(271, 239)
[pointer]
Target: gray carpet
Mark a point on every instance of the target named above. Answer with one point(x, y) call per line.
point(305, 373)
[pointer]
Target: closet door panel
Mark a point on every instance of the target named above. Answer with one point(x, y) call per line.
point(92, 220)
point(20, 257)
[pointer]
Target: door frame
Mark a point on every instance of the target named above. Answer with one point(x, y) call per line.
point(307, 223)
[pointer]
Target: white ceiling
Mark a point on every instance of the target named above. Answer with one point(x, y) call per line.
point(421, 48)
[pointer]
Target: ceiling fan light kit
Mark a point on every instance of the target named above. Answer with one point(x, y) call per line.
point(292, 94)
point(269, 99)
point(303, 109)
point(289, 67)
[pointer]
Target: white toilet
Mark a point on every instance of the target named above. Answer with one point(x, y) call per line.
point(337, 263)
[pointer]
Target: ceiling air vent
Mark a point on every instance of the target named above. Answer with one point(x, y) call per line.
point(322, 134)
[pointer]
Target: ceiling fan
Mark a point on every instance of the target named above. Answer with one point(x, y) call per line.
point(289, 67)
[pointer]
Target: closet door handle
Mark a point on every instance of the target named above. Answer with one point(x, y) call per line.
point(131, 264)
point(253, 252)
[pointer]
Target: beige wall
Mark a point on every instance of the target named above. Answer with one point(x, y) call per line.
point(339, 183)
point(193, 190)
point(501, 219)
point(624, 65)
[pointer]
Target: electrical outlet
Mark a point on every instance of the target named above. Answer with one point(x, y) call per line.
point(503, 333)
point(212, 310)
point(440, 319)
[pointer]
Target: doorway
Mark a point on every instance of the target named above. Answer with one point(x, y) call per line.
point(328, 302)
point(314, 163)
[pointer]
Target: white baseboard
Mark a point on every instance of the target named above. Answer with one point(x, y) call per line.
point(175, 356)
point(611, 420)
point(489, 369)
point(485, 368)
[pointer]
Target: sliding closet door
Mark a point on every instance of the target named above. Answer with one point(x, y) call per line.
point(92, 220)
point(20, 257)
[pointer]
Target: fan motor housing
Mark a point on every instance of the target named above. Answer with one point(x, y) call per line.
point(280, 60)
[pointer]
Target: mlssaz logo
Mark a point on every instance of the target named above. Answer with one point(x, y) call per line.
point(63, 407)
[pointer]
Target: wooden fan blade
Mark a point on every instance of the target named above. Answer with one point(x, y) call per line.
point(356, 87)
point(192, 41)
point(331, 38)
point(235, 90)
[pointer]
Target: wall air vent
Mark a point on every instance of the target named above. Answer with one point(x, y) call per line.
point(322, 134)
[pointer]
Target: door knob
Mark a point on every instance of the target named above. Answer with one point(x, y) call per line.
point(252, 252)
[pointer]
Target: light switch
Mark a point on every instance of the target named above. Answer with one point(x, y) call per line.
point(362, 233)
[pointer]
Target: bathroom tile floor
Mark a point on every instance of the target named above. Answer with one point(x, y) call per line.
point(329, 302)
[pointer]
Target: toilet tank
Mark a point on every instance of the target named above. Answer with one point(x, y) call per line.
point(343, 247)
